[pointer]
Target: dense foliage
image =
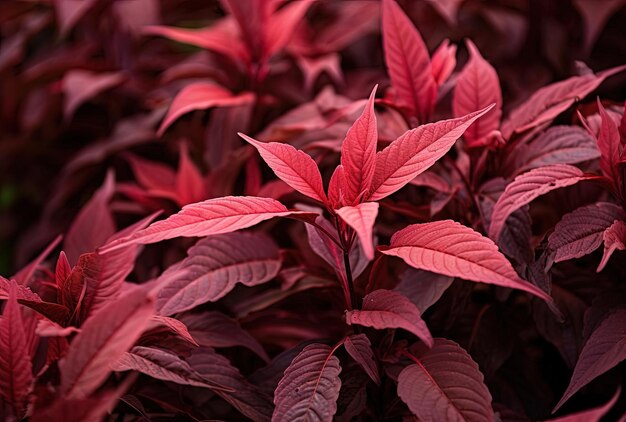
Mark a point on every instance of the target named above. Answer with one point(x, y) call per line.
point(312, 210)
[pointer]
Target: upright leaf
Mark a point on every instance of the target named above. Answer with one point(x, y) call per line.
point(210, 217)
point(358, 154)
point(388, 309)
point(294, 167)
point(362, 218)
point(359, 347)
point(104, 338)
point(16, 373)
point(605, 348)
point(529, 186)
point(449, 248)
point(443, 62)
point(415, 151)
point(614, 238)
point(282, 24)
point(477, 86)
point(309, 388)
point(213, 267)
point(408, 62)
point(609, 144)
point(445, 385)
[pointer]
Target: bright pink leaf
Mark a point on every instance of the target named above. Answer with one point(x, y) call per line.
point(336, 197)
point(449, 248)
point(477, 86)
point(359, 347)
point(605, 348)
point(358, 154)
point(282, 24)
point(408, 62)
point(443, 62)
point(415, 151)
point(200, 96)
point(310, 386)
point(388, 309)
point(16, 373)
point(614, 238)
point(104, 338)
point(213, 267)
point(592, 415)
point(294, 167)
point(210, 217)
point(580, 232)
point(529, 186)
point(189, 182)
point(251, 17)
point(445, 384)
point(362, 218)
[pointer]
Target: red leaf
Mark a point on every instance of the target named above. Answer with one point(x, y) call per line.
point(388, 309)
point(104, 338)
point(16, 373)
point(189, 183)
point(79, 86)
point(443, 62)
point(415, 151)
point(596, 15)
point(210, 217)
point(609, 144)
point(605, 348)
point(358, 154)
point(292, 166)
point(408, 62)
point(477, 86)
point(282, 24)
point(23, 276)
point(361, 218)
point(310, 386)
point(449, 248)
point(160, 324)
point(251, 17)
point(445, 384)
point(614, 239)
point(335, 187)
point(200, 96)
point(213, 267)
point(423, 288)
point(580, 232)
point(591, 415)
point(550, 101)
point(359, 347)
point(529, 186)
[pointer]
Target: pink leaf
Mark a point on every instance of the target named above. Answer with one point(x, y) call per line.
point(449, 248)
point(359, 347)
point(614, 239)
point(580, 232)
point(79, 86)
point(388, 309)
point(605, 348)
point(358, 154)
point(294, 167)
point(609, 144)
point(445, 384)
point(529, 186)
point(415, 151)
point(210, 217)
point(310, 386)
point(150, 174)
point(200, 96)
point(282, 24)
point(361, 218)
point(591, 415)
point(550, 101)
point(336, 197)
point(477, 86)
point(443, 62)
point(408, 62)
point(16, 373)
point(104, 338)
point(189, 182)
point(213, 267)
point(251, 17)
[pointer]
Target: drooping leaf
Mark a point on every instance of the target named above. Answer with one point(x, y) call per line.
point(362, 218)
point(446, 384)
point(104, 337)
point(210, 217)
point(408, 62)
point(605, 348)
point(16, 373)
point(529, 186)
point(580, 232)
point(310, 387)
point(358, 154)
point(294, 167)
point(415, 151)
point(200, 96)
point(213, 267)
point(388, 309)
point(550, 101)
point(449, 248)
point(591, 415)
point(614, 238)
point(477, 86)
point(23, 276)
point(359, 347)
